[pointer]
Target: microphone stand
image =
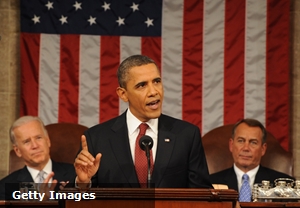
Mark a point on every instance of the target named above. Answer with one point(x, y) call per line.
point(149, 166)
point(146, 143)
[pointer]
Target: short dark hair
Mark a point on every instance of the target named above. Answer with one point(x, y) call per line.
point(252, 123)
point(130, 62)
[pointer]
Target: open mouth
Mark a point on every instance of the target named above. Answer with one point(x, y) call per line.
point(153, 103)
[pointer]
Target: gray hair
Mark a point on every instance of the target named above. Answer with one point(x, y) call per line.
point(21, 121)
point(252, 123)
point(130, 62)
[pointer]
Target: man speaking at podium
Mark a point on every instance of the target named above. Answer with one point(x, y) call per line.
point(110, 155)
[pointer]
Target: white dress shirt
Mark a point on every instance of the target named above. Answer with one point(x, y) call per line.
point(239, 174)
point(133, 131)
point(47, 169)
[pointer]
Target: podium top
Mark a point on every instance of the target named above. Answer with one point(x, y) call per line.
point(160, 193)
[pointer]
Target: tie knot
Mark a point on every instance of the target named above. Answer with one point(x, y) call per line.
point(245, 177)
point(41, 173)
point(41, 176)
point(143, 127)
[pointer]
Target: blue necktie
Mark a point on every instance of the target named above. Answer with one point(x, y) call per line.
point(245, 191)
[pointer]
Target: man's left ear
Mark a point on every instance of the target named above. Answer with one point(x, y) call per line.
point(264, 149)
point(122, 94)
point(230, 144)
point(48, 141)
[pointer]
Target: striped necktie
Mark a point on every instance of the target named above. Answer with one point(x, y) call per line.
point(245, 191)
point(40, 176)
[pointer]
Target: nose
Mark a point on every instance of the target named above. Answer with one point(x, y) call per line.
point(34, 143)
point(246, 146)
point(152, 90)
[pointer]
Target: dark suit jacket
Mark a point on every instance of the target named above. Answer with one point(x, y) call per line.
point(229, 178)
point(9, 184)
point(180, 162)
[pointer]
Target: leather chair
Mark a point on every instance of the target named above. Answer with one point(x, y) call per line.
point(65, 143)
point(218, 156)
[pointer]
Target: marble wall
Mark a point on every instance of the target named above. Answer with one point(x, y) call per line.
point(10, 78)
point(295, 85)
point(9, 75)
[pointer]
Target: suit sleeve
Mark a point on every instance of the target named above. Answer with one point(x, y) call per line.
point(198, 174)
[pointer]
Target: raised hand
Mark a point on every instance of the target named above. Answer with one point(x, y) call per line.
point(85, 164)
point(45, 187)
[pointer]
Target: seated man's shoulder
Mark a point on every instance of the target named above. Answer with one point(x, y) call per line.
point(12, 177)
point(219, 176)
point(222, 172)
point(274, 174)
point(10, 183)
point(225, 171)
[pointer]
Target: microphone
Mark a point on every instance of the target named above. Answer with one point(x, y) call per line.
point(146, 144)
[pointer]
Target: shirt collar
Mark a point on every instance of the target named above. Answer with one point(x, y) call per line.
point(133, 123)
point(47, 169)
point(250, 173)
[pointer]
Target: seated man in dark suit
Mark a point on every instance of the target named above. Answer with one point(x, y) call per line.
point(31, 142)
point(177, 157)
point(247, 145)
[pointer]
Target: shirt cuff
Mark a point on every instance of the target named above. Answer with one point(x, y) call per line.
point(88, 185)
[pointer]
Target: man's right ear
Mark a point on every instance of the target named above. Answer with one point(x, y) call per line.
point(17, 150)
point(122, 94)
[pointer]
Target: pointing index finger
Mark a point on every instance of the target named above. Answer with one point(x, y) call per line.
point(84, 143)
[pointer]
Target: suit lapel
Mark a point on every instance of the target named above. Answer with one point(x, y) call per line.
point(261, 174)
point(24, 175)
point(121, 150)
point(166, 142)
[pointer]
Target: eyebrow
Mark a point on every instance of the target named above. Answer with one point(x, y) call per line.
point(140, 83)
point(251, 139)
point(25, 140)
point(157, 79)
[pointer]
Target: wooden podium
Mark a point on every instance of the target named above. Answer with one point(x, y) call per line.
point(150, 198)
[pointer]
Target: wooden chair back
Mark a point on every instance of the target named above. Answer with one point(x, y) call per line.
point(218, 156)
point(65, 143)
